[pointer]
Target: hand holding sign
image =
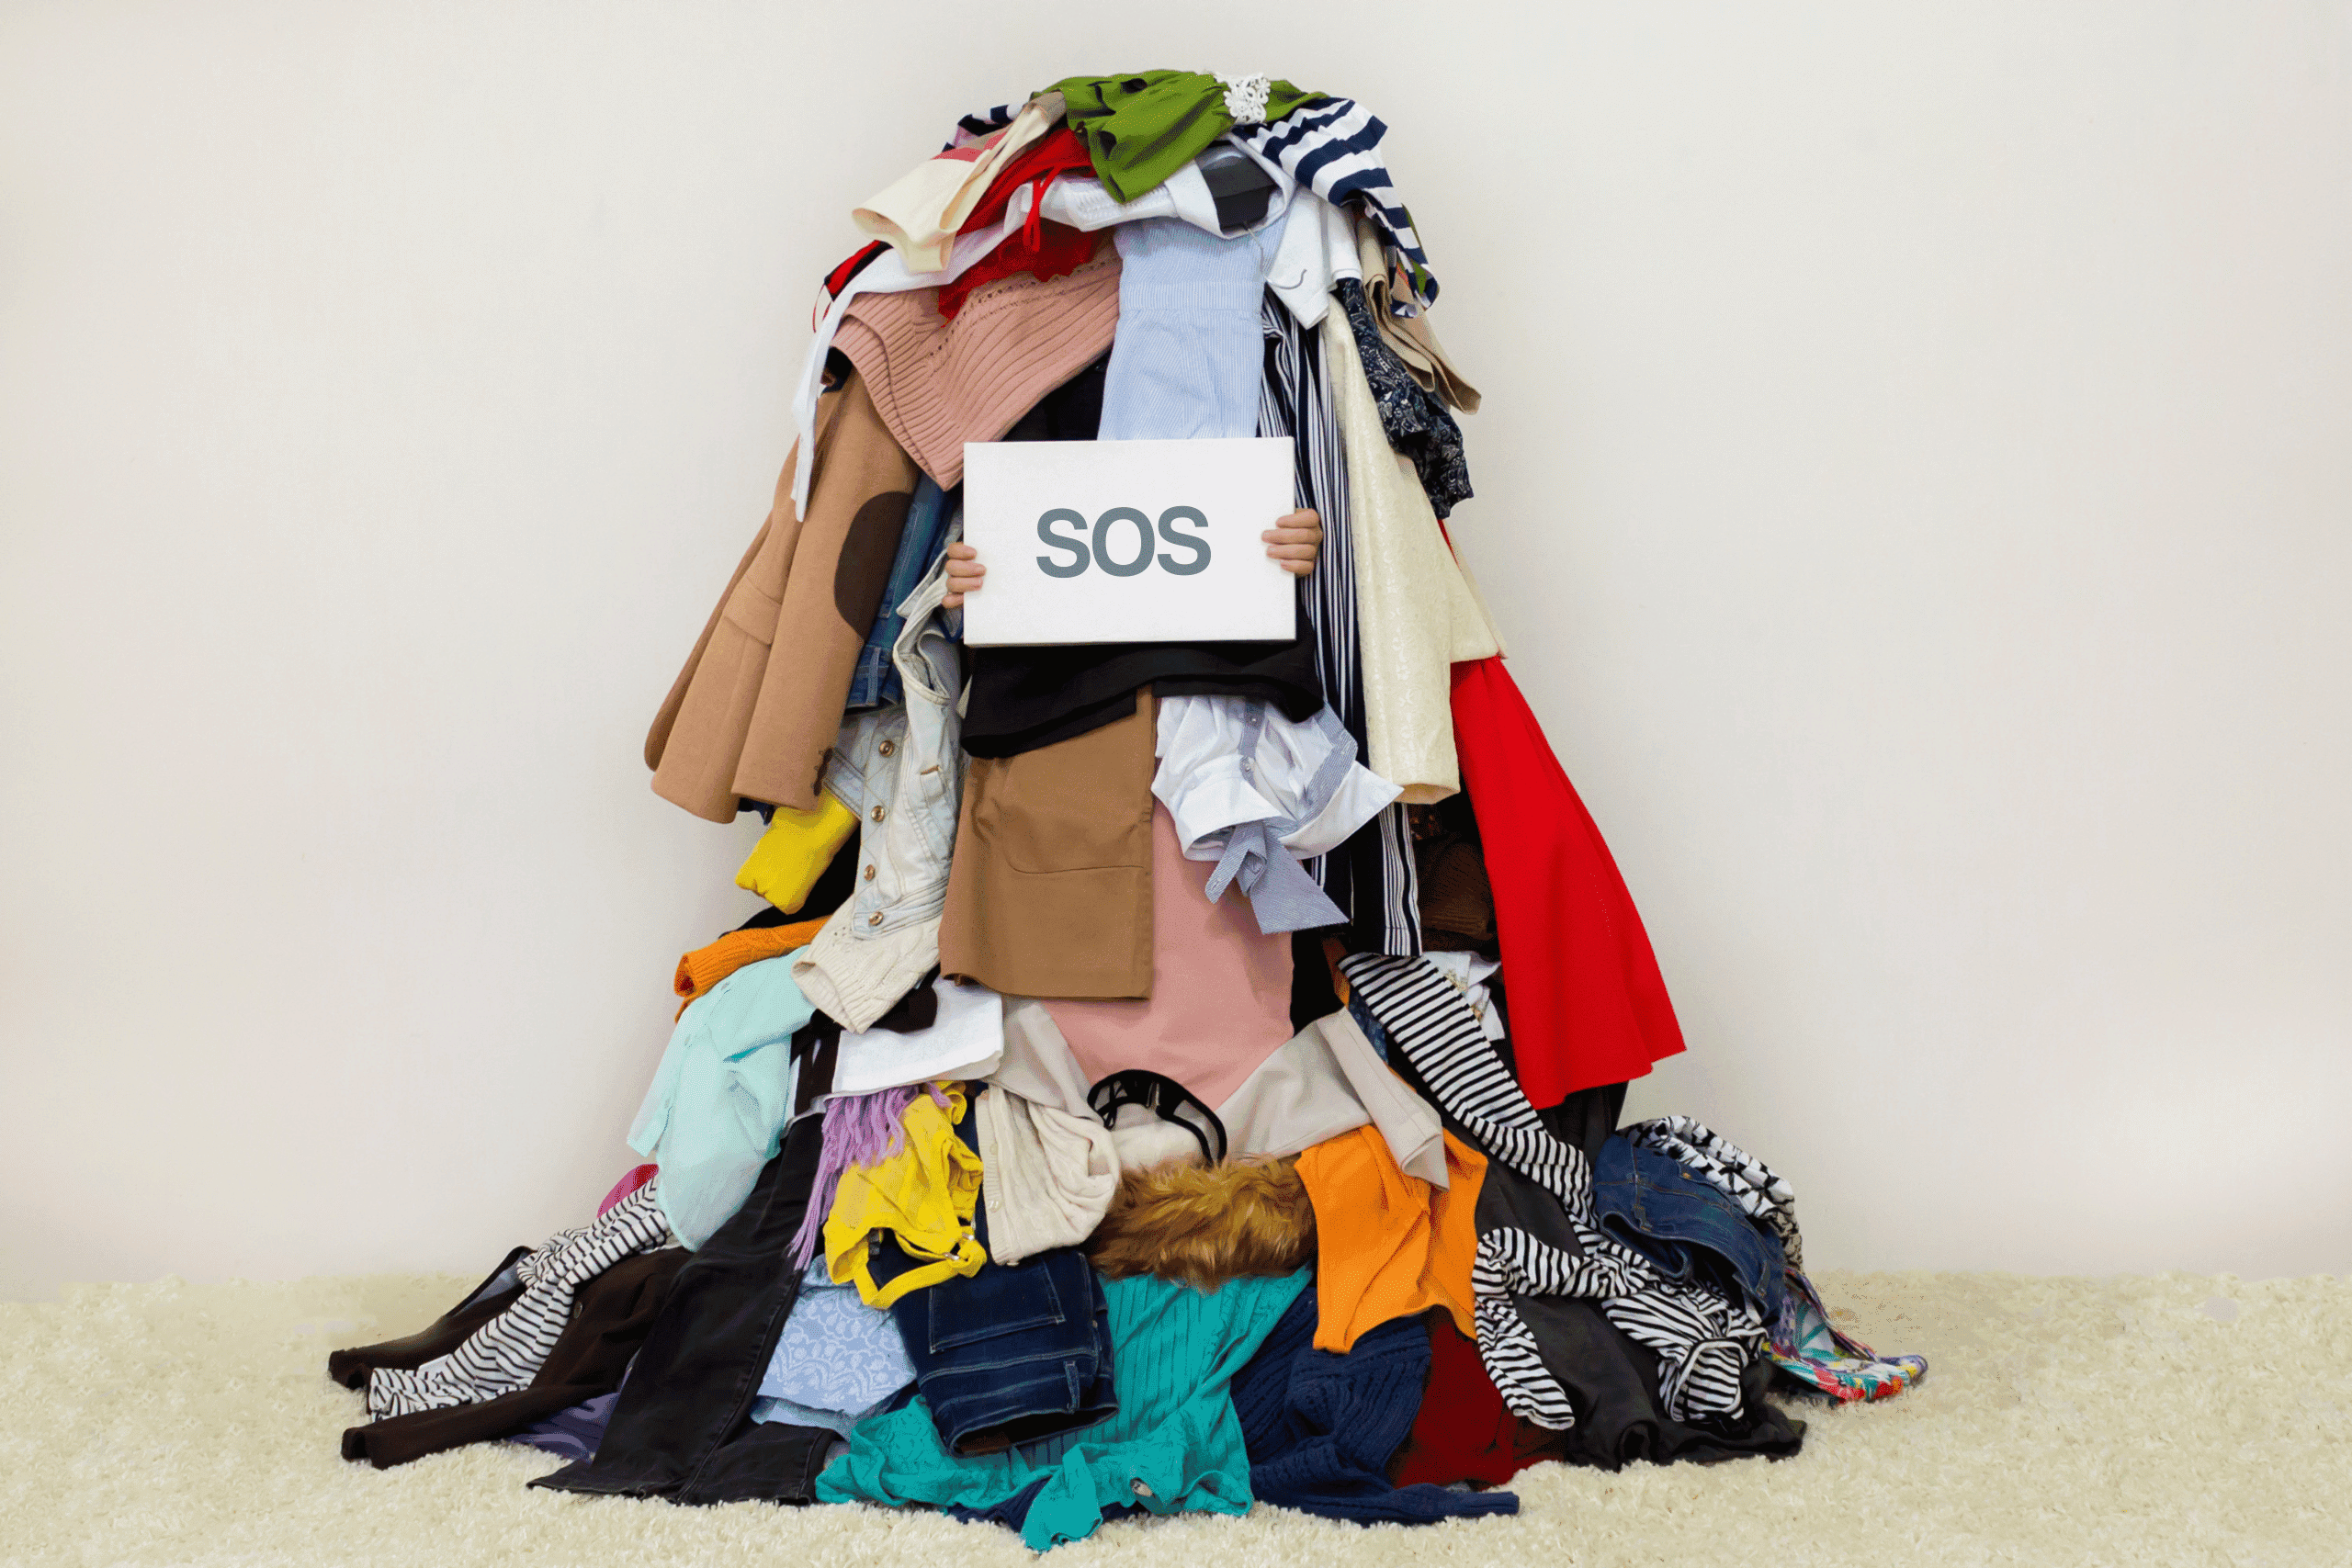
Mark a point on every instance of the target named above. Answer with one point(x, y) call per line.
point(1294, 540)
point(1131, 542)
point(1293, 543)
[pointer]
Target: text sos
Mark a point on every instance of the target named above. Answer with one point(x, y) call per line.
point(1082, 553)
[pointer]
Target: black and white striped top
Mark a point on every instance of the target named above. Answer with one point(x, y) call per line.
point(507, 1352)
point(1703, 1339)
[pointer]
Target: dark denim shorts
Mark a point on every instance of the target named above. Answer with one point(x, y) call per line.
point(1673, 1216)
point(1011, 1354)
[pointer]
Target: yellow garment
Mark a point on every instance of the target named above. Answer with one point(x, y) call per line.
point(924, 1194)
point(795, 851)
point(1389, 1244)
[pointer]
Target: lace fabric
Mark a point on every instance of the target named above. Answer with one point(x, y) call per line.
point(1245, 97)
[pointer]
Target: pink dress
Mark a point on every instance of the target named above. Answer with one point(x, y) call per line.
point(1220, 991)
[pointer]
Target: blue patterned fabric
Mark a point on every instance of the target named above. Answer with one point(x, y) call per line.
point(836, 1353)
point(783, 1412)
point(1417, 424)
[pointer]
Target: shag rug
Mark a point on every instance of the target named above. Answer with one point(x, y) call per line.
point(2173, 1420)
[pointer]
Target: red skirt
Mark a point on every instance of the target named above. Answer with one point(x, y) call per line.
point(1586, 1003)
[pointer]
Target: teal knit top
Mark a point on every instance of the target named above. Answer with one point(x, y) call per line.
point(1174, 1446)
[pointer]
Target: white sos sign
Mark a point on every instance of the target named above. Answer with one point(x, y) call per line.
point(1128, 541)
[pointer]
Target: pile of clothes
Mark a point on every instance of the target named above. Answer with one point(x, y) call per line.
point(1159, 1077)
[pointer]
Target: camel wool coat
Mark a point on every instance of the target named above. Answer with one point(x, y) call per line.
point(760, 701)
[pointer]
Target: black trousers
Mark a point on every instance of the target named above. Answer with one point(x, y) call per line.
point(682, 1426)
point(1612, 1382)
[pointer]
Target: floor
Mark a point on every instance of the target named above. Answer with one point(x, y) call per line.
point(2173, 1419)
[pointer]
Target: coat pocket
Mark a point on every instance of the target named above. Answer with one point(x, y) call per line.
point(1082, 803)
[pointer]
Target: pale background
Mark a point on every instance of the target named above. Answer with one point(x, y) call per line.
point(1913, 482)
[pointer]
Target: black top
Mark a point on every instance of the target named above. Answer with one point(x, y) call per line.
point(1023, 698)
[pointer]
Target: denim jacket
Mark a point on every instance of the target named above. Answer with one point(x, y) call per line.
point(901, 770)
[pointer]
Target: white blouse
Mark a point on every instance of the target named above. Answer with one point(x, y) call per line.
point(1226, 761)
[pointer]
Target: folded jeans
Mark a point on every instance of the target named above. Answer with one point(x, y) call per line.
point(1013, 1353)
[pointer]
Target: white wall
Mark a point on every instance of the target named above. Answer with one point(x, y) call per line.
point(1915, 480)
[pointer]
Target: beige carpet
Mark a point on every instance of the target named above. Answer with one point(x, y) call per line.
point(2167, 1420)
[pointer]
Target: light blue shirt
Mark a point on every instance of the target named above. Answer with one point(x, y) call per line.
point(713, 1115)
point(1190, 353)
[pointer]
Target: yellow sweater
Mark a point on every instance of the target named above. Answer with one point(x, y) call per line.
point(924, 1194)
point(795, 851)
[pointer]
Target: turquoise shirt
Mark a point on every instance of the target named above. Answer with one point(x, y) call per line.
point(1174, 1446)
point(714, 1114)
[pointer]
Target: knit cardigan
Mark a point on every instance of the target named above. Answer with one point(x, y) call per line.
point(1322, 1427)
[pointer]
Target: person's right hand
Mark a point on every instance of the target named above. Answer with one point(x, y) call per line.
point(963, 574)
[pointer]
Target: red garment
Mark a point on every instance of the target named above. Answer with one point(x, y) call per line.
point(1465, 1432)
point(1048, 249)
point(1052, 155)
point(623, 1188)
point(1588, 1005)
point(859, 259)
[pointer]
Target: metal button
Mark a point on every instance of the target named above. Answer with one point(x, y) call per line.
point(879, 813)
point(888, 747)
point(869, 873)
point(875, 919)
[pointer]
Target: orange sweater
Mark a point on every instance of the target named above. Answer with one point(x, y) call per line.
point(1388, 1245)
point(705, 966)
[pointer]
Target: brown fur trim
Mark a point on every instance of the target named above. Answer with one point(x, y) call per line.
point(1205, 1225)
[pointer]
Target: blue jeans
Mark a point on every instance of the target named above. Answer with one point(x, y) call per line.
point(1011, 1354)
point(1656, 1205)
point(920, 541)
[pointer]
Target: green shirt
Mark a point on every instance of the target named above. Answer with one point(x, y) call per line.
point(1142, 127)
point(1175, 1444)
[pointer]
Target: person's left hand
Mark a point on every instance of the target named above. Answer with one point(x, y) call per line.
point(1294, 540)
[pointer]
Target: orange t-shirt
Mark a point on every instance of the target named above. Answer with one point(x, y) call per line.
point(1388, 1245)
